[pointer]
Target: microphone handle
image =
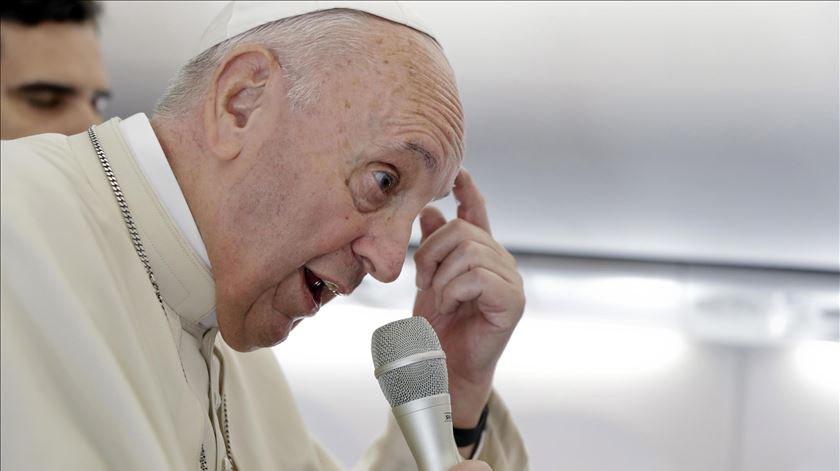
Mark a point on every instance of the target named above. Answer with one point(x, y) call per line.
point(426, 424)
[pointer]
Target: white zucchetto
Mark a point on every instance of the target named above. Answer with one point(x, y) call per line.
point(239, 17)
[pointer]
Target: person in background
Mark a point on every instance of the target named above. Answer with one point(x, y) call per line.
point(51, 74)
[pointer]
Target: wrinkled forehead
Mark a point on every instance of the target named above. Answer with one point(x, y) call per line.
point(431, 102)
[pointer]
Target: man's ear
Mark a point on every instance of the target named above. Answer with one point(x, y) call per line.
point(237, 97)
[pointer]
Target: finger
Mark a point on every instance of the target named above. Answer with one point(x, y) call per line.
point(437, 246)
point(431, 219)
point(468, 255)
point(478, 284)
point(471, 204)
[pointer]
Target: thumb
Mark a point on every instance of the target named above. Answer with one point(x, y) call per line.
point(431, 219)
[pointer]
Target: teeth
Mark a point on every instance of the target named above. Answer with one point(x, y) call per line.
point(334, 288)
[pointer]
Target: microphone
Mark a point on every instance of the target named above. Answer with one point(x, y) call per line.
point(411, 369)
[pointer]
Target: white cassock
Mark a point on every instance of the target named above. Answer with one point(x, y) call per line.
point(94, 375)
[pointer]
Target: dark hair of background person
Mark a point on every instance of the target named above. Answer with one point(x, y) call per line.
point(53, 75)
point(35, 12)
point(31, 13)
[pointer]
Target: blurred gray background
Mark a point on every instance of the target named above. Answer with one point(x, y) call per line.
point(667, 173)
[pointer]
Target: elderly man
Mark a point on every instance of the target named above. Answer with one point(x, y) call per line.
point(285, 162)
point(52, 78)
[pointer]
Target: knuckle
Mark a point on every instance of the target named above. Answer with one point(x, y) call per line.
point(509, 257)
point(480, 275)
point(506, 260)
point(438, 285)
point(451, 289)
point(459, 224)
point(470, 249)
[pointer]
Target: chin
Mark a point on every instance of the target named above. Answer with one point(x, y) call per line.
point(270, 337)
point(253, 332)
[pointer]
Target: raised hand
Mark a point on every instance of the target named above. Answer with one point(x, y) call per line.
point(471, 293)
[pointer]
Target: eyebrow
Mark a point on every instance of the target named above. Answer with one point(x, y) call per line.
point(40, 87)
point(425, 154)
point(428, 158)
point(57, 88)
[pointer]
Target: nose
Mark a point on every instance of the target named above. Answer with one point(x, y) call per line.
point(383, 248)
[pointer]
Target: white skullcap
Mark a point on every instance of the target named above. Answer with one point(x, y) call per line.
point(238, 17)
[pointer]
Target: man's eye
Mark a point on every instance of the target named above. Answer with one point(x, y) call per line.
point(374, 186)
point(386, 181)
point(45, 102)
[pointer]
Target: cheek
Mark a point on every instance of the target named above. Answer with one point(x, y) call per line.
point(333, 222)
point(316, 216)
point(287, 211)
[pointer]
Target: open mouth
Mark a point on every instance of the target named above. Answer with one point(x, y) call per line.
point(317, 286)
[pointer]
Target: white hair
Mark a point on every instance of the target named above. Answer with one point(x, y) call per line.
point(300, 43)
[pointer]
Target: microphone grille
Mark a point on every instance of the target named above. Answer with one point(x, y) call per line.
point(402, 338)
point(417, 380)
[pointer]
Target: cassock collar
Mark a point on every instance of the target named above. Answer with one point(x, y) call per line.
point(141, 139)
point(167, 229)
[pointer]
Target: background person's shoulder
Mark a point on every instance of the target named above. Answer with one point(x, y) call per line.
point(41, 155)
point(42, 183)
